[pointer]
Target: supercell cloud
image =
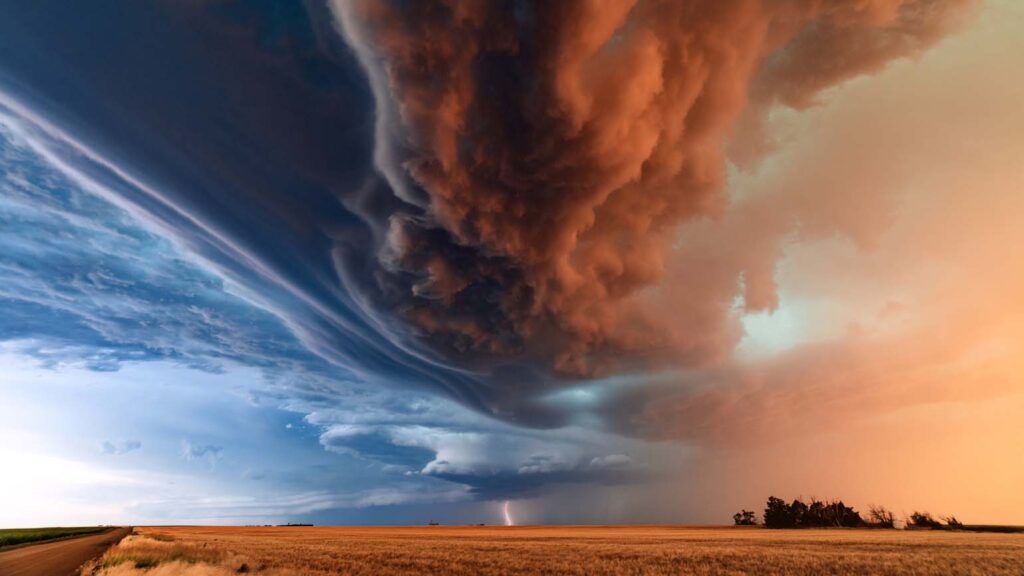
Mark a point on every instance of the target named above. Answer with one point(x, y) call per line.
point(495, 244)
point(479, 198)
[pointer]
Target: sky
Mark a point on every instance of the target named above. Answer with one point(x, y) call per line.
point(632, 261)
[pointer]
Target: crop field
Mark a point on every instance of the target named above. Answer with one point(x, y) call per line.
point(213, 551)
point(17, 536)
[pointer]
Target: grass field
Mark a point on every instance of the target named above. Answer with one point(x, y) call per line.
point(17, 536)
point(213, 551)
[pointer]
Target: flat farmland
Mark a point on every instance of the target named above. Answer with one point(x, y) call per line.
point(210, 551)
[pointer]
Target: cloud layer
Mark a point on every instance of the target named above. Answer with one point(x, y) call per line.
point(517, 250)
point(537, 160)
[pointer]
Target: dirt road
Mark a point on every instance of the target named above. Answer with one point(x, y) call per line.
point(61, 558)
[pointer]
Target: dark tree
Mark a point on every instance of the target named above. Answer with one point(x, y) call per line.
point(953, 524)
point(923, 520)
point(777, 514)
point(797, 511)
point(842, 515)
point(881, 517)
point(744, 518)
point(819, 514)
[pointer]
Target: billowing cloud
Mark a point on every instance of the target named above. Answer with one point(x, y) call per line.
point(554, 148)
point(493, 460)
point(537, 162)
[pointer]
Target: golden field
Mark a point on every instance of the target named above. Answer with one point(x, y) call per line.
point(214, 551)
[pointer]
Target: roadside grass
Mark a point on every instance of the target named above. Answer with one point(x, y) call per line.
point(158, 554)
point(18, 536)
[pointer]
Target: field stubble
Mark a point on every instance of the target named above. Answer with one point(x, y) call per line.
point(214, 551)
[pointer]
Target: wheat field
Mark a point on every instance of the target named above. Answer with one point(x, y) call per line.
point(617, 550)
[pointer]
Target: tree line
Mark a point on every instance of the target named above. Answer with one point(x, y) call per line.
point(836, 514)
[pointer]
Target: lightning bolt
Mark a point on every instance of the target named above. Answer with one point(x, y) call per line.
point(508, 517)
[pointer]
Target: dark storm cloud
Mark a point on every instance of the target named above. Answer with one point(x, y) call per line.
point(475, 198)
point(245, 132)
point(493, 461)
point(556, 147)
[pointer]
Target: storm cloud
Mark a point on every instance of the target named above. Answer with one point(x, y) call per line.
point(553, 150)
point(481, 199)
point(358, 254)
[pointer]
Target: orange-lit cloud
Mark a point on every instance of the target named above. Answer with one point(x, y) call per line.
point(848, 296)
point(561, 144)
point(895, 210)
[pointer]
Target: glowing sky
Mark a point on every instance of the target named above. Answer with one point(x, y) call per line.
point(393, 262)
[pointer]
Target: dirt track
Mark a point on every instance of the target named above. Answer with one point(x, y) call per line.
point(61, 558)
